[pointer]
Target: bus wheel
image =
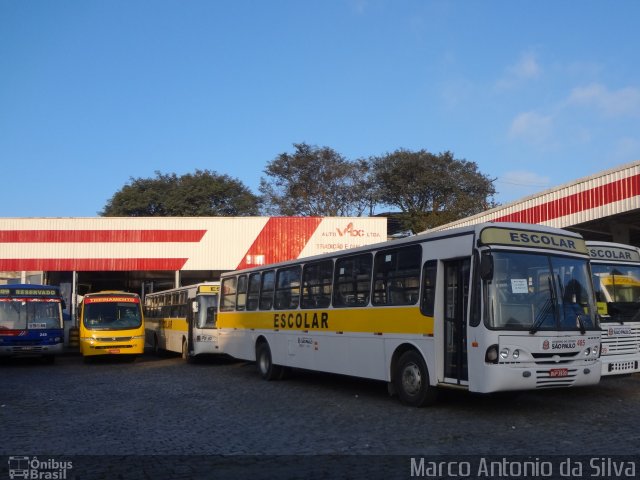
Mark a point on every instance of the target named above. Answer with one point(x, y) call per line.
point(185, 349)
point(411, 380)
point(267, 369)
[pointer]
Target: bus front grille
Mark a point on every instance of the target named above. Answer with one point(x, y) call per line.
point(27, 349)
point(108, 347)
point(556, 358)
point(556, 377)
point(113, 339)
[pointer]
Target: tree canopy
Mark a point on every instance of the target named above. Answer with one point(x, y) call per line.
point(203, 193)
point(315, 181)
point(430, 189)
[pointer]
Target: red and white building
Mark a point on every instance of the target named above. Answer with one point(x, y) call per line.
point(156, 253)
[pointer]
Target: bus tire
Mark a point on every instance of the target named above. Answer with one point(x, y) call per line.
point(267, 369)
point(411, 380)
point(185, 350)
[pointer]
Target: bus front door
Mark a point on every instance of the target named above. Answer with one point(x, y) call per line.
point(455, 331)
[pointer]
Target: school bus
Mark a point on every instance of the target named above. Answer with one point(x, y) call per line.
point(616, 279)
point(111, 323)
point(487, 308)
point(183, 320)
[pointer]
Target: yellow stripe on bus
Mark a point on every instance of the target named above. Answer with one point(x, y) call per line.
point(179, 324)
point(373, 320)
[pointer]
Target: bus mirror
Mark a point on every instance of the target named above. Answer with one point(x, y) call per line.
point(486, 267)
point(194, 306)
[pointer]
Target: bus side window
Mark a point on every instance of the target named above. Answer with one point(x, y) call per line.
point(396, 276)
point(266, 290)
point(242, 292)
point(316, 284)
point(253, 293)
point(287, 288)
point(352, 281)
point(429, 273)
point(228, 292)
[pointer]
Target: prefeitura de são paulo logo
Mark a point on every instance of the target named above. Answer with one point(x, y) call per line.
point(34, 468)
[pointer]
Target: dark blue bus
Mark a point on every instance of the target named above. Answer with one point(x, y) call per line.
point(31, 321)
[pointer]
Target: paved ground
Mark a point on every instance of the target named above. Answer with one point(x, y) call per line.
point(232, 424)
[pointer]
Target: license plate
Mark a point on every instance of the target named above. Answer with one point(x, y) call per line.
point(558, 372)
point(114, 350)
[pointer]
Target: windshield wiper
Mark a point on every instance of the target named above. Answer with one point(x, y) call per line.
point(583, 329)
point(548, 305)
point(540, 317)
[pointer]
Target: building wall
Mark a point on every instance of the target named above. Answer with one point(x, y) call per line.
point(172, 243)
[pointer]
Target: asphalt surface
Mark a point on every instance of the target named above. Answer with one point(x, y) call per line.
point(159, 417)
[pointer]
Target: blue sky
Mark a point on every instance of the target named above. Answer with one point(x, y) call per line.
point(92, 92)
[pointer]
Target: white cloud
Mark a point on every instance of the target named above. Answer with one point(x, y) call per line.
point(359, 6)
point(524, 178)
point(618, 103)
point(526, 68)
point(531, 127)
point(518, 184)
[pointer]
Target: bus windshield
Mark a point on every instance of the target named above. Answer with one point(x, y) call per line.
point(207, 309)
point(112, 316)
point(29, 313)
point(617, 289)
point(538, 292)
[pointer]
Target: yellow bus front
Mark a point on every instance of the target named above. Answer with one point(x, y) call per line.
point(111, 323)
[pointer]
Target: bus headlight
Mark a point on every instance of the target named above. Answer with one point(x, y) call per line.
point(504, 353)
point(516, 353)
point(587, 352)
point(492, 354)
point(595, 351)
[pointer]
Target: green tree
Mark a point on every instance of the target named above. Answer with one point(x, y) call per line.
point(315, 181)
point(429, 189)
point(203, 193)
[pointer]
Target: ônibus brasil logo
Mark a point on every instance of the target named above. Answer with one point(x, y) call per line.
point(33, 468)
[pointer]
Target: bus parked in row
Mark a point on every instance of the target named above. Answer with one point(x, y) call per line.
point(31, 322)
point(183, 320)
point(616, 280)
point(487, 308)
point(111, 323)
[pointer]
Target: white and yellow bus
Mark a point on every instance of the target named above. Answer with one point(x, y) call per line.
point(616, 280)
point(488, 308)
point(111, 323)
point(183, 320)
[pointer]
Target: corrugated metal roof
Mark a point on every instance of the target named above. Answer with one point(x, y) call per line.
point(608, 193)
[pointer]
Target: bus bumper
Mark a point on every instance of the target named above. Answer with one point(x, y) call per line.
point(31, 350)
point(106, 346)
point(503, 377)
point(620, 364)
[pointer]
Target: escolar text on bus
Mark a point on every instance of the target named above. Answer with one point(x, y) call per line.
point(301, 320)
point(538, 238)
